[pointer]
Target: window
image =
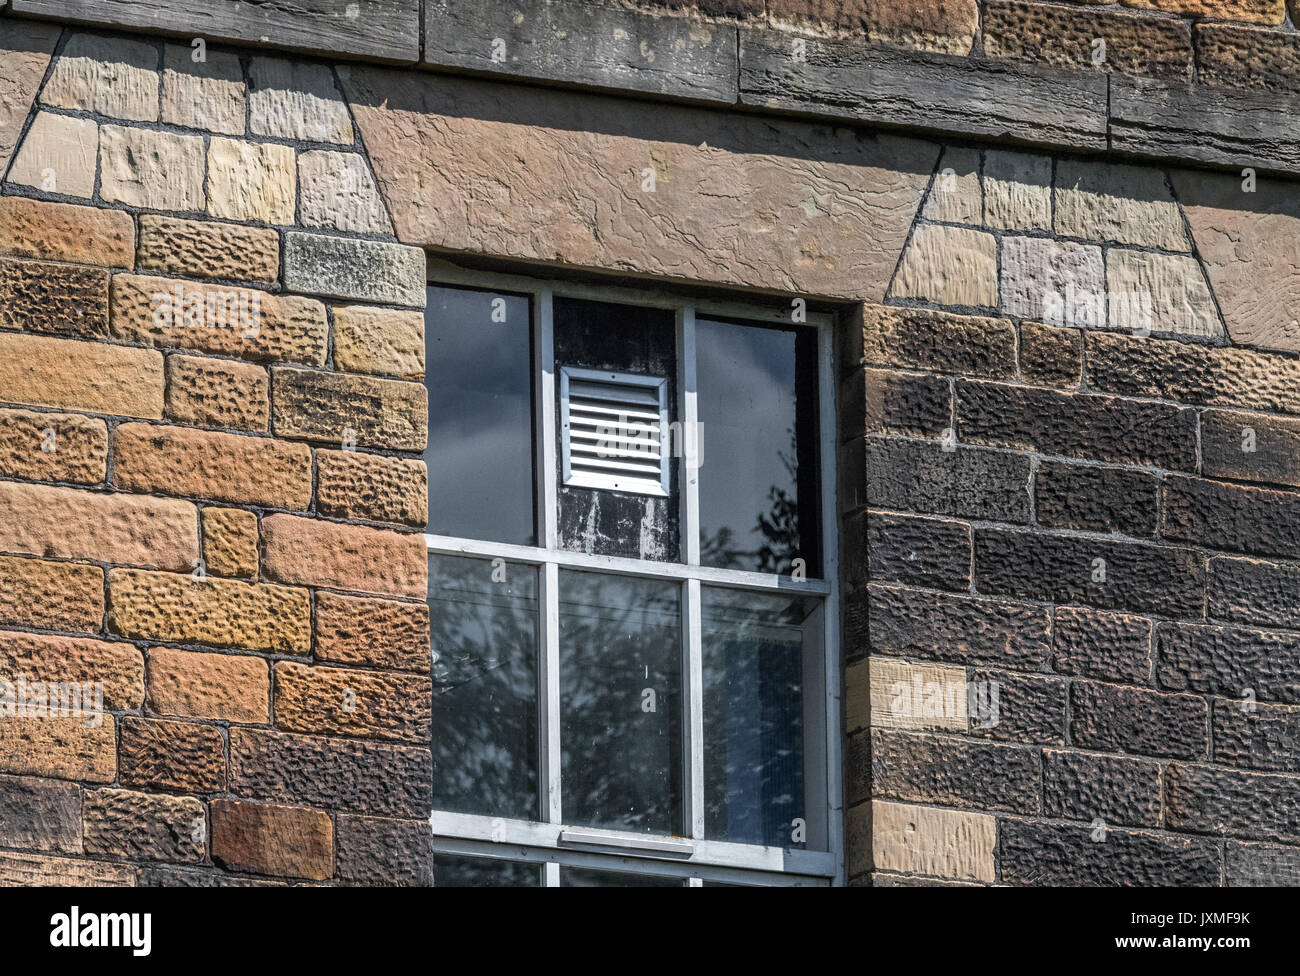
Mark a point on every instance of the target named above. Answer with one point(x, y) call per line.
point(631, 589)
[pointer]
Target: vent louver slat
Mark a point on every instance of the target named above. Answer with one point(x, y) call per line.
point(613, 431)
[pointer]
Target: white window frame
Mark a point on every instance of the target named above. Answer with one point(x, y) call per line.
point(550, 842)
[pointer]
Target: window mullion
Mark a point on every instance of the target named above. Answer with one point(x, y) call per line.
point(687, 443)
point(549, 712)
point(547, 513)
point(694, 707)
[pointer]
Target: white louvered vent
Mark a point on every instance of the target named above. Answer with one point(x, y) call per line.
point(613, 430)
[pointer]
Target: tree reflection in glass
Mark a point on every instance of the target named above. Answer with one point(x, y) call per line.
point(753, 668)
point(483, 622)
point(620, 702)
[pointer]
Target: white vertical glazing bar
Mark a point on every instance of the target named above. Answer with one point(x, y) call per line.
point(544, 333)
point(549, 573)
point(692, 659)
point(549, 680)
point(689, 440)
point(830, 571)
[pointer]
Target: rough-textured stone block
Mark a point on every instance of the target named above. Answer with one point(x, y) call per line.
point(1050, 855)
point(58, 155)
point(60, 748)
point(1247, 56)
point(366, 631)
point(341, 267)
point(1193, 374)
point(1119, 719)
point(217, 393)
point(233, 468)
point(51, 595)
point(343, 409)
point(1261, 866)
point(1081, 786)
point(1079, 425)
point(955, 195)
point(1066, 35)
point(206, 94)
point(1234, 518)
point(969, 482)
point(180, 757)
point(206, 249)
point(1254, 592)
point(1088, 496)
point(144, 826)
point(1250, 447)
point(32, 871)
point(966, 96)
point(40, 815)
point(1011, 707)
point(220, 319)
point(1017, 191)
point(112, 76)
point(938, 843)
point(385, 853)
point(230, 541)
point(1165, 294)
point(877, 400)
point(58, 299)
point(1214, 800)
point(1251, 11)
point(906, 696)
point(1050, 355)
point(1229, 661)
point(69, 523)
point(344, 557)
point(945, 26)
point(52, 446)
point(266, 838)
point(1056, 282)
point(1117, 202)
point(114, 665)
point(1098, 644)
point(921, 552)
point(940, 342)
point(337, 192)
point(345, 701)
point(216, 612)
point(251, 181)
point(603, 46)
point(923, 768)
point(714, 224)
point(379, 340)
point(369, 486)
point(949, 266)
point(25, 50)
point(960, 629)
point(66, 232)
point(346, 774)
point(1108, 575)
point(296, 100)
point(151, 169)
point(226, 687)
point(1257, 736)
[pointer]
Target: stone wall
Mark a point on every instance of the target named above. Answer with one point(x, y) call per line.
point(1069, 414)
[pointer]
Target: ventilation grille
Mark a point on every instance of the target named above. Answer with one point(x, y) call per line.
point(613, 430)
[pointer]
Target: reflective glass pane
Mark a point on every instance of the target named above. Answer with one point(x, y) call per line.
point(483, 626)
point(620, 702)
point(592, 878)
point(754, 664)
point(757, 403)
point(455, 871)
point(478, 369)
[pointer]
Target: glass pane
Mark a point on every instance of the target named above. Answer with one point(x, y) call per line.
point(454, 871)
point(757, 402)
point(620, 702)
point(754, 663)
point(591, 878)
point(483, 623)
point(478, 362)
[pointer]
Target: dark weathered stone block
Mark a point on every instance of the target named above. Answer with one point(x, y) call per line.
point(1254, 735)
point(918, 551)
point(1099, 644)
point(954, 772)
point(1214, 660)
point(1118, 790)
point(386, 853)
point(1079, 496)
point(1118, 719)
point(1052, 854)
point(1252, 591)
point(968, 482)
point(1215, 800)
point(1235, 518)
point(1011, 707)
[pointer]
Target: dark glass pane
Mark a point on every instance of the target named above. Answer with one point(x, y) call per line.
point(757, 405)
point(620, 702)
point(478, 363)
point(754, 666)
point(620, 339)
point(483, 625)
point(454, 871)
point(591, 878)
